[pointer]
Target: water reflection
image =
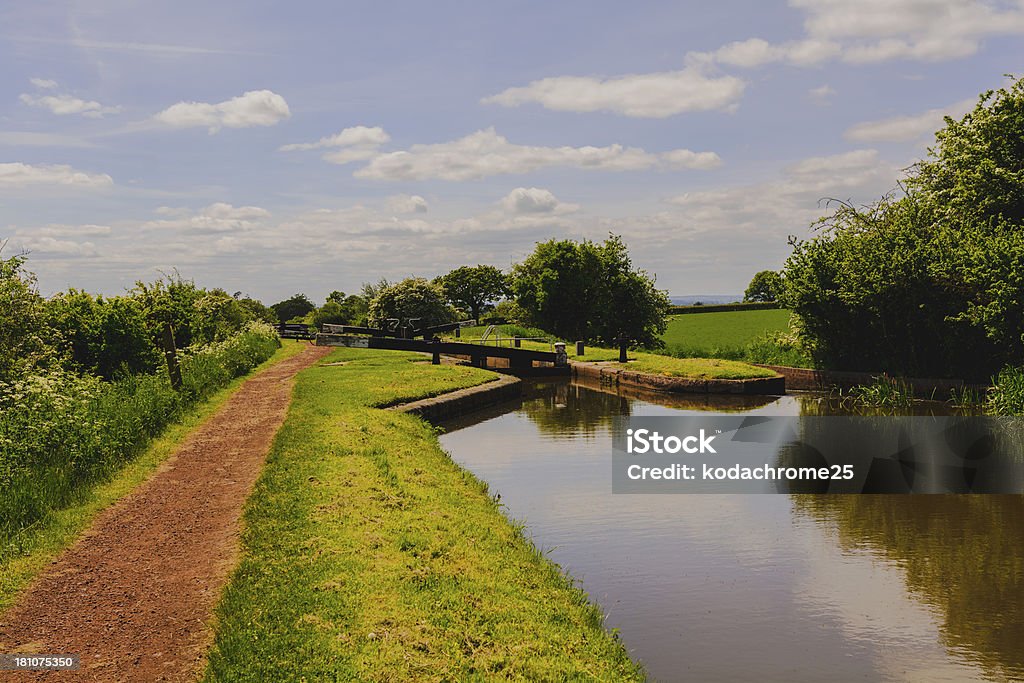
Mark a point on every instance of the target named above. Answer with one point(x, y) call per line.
point(962, 555)
point(770, 587)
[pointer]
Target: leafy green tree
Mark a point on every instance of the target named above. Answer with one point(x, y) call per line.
point(295, 306)
point(340, 309)
point(218, 315)
point(629, 301)
point(20, 304)
point(558, 286)
point(171, 300)
point(764, 286)
point(975, 172)
point(370, 290)
point(257, 309)
point(474, 288)
point(589, 291)
point(411, 298)
point(197, 316)
point(330, 313)
point(99, 336)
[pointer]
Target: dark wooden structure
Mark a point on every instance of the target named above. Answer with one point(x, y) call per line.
point(520, 361)
point(295, 331)
point(410, 328)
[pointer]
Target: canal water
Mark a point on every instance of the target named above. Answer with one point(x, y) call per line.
point(757, 587)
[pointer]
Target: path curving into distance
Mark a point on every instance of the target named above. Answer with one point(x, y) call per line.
point(134, 596)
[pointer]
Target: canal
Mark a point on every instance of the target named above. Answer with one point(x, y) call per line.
point(757, 587)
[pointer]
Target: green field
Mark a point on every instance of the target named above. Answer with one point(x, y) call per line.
point(728, 330)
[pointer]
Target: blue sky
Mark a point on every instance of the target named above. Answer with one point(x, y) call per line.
point(273, 148)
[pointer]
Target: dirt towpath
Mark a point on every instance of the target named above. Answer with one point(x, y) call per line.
point(135, 595)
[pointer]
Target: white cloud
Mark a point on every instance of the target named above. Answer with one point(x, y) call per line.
point(534, 200)
point(408, 204)
point(213, 219)
point(64, 104)
point(356, 136)
point(684, 158)
point(822, 94)
point(485, 153)
point(59, 240)
point(791, 200)
point(654, 95)
point(62, 230)
point(253, 108)
point(904, 128)
point(59, 247)
point(869, 31)
point(17, 174)
point(756, 52)
point(350, 154)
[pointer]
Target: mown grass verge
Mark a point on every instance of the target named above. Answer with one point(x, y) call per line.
point(368, 555)
point(694, 368)
point(48, 537)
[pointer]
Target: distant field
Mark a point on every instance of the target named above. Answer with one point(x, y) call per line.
point(729, 330)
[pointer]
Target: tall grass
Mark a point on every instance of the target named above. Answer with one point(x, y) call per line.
point(60, 432)
point(883, 392)
point(1006, 395)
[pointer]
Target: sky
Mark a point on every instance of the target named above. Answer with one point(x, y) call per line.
point(274, 148)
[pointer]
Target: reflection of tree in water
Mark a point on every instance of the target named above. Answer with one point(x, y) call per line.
point(585, 407)
point(562, 408)
point(962, 554)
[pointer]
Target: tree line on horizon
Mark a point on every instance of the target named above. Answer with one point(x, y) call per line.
point(578, 290)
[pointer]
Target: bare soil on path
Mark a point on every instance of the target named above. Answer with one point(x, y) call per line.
point(134, 597)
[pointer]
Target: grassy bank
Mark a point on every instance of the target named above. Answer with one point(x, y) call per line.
point(370, 556)
point(39, 544)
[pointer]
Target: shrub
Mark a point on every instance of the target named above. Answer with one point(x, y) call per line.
point(927, 283)
point(100, 336)
point(60, 432)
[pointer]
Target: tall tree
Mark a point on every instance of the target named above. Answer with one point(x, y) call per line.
point(764, 286)
point(411, 298)
point(295, 306)
point(474, 288)
point(589, 291)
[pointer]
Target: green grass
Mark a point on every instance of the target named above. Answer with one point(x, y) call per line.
point(370, 556)
point(46, 539)
point(726, 330)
